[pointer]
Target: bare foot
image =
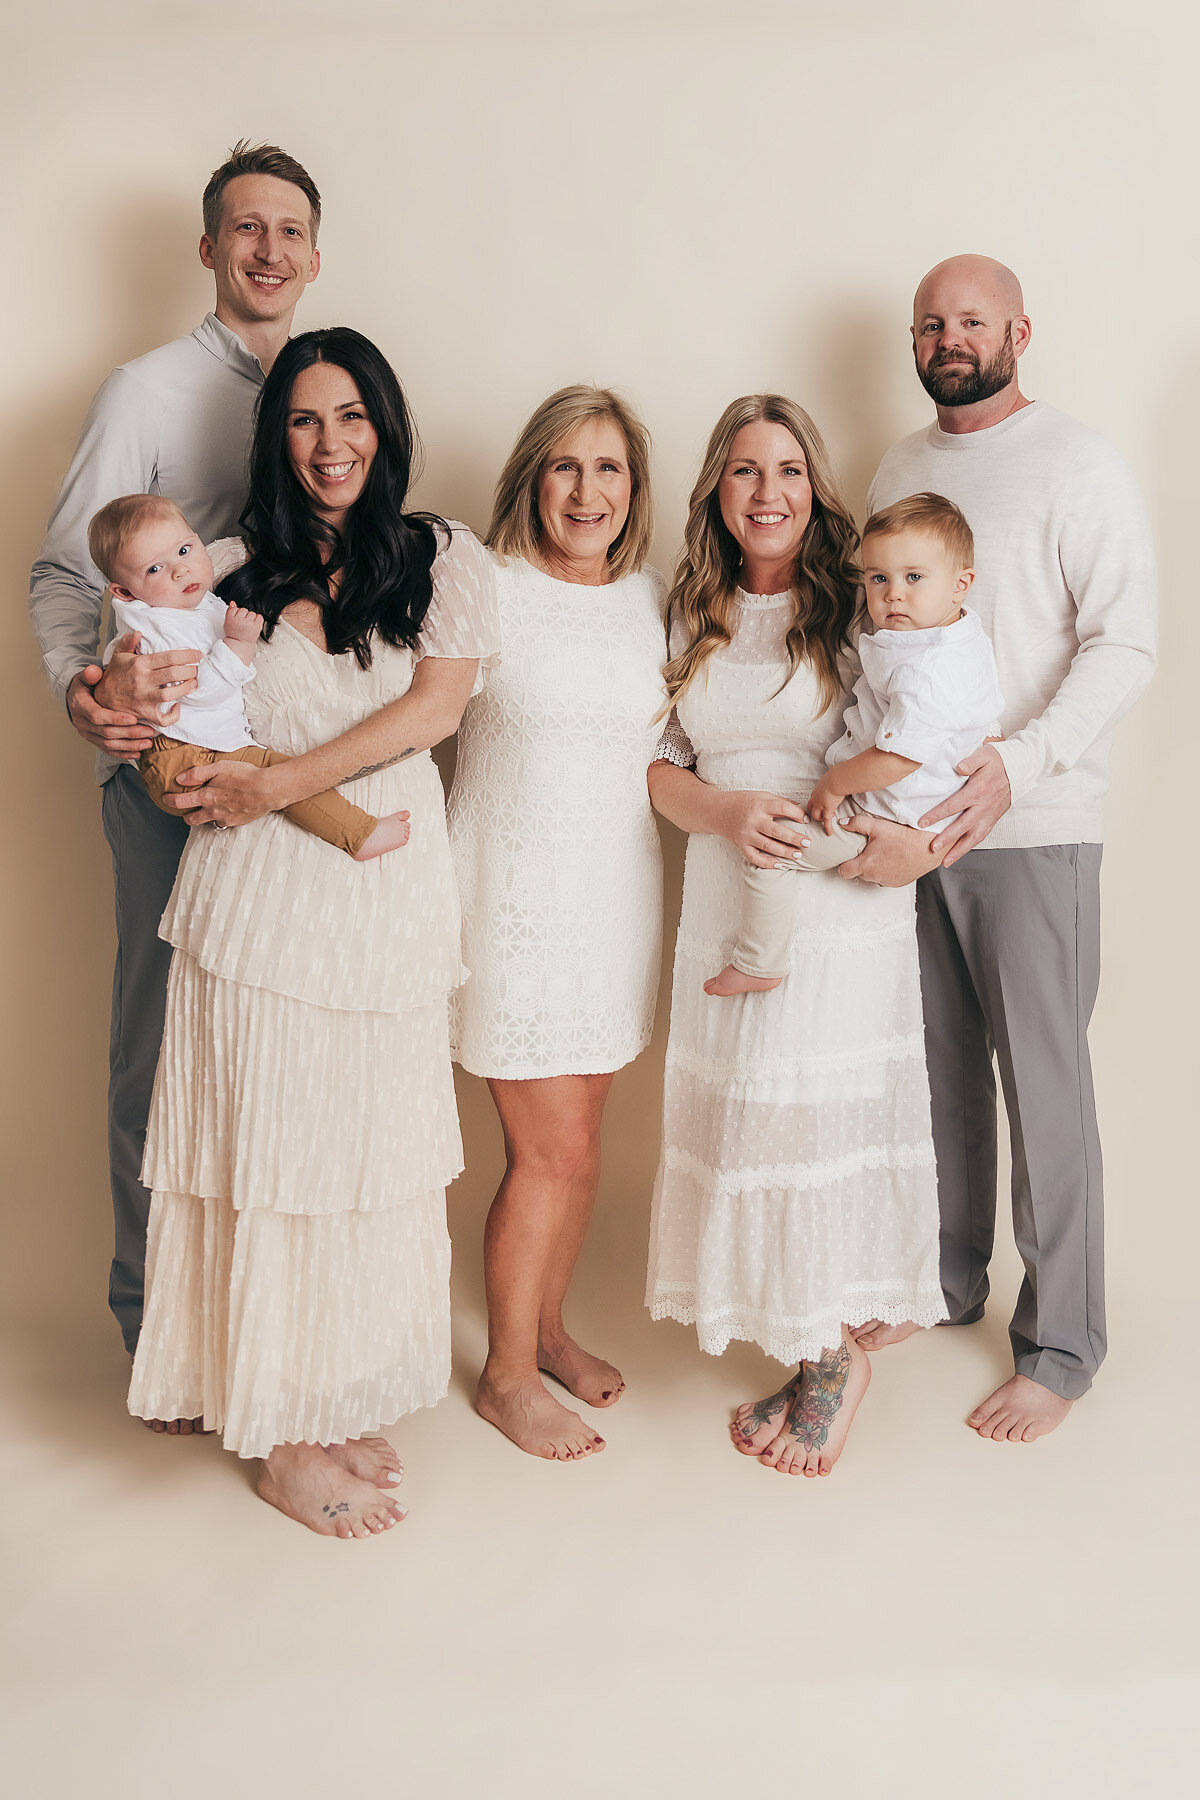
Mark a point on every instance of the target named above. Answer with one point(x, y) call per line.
point(819, 1417)
point(875, 1335)
point(534, 1420)
point(757, 1423)
point(305, 1482)
point(588, 1377)
point(732, 981)
point(176, 1427)
point(1020, 1411)
point(390, 834)
point(371, 1459)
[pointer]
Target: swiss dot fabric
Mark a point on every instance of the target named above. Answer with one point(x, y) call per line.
point(796, 1184)
point(555, 845)
point(303, 1126)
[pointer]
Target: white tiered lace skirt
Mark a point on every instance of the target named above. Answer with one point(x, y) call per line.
point(298, 1262)
point(796, 1187)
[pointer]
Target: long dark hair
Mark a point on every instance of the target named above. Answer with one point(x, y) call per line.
point(382, 554)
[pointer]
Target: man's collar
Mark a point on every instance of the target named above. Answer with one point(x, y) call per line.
point(227, 346)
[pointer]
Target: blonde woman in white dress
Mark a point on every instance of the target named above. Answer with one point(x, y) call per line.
point(795, 1194)
point(303, 1128)
point(557, 857)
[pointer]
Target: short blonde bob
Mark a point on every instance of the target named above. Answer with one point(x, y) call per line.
point(516, 528)
point(825, 581)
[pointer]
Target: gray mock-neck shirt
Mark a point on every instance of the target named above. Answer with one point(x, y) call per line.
point(177, 422)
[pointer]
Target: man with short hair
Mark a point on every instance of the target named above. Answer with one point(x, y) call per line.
point(177, 422)
point(1010, 934)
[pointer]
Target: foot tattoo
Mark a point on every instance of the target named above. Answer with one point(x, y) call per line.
point(819, 1400)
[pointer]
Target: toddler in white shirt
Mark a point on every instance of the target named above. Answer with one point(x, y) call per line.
point(161, 578)
point(928, 696)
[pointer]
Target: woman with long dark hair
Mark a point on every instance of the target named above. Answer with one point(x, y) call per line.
point(303, 1128)
point(795, 1194)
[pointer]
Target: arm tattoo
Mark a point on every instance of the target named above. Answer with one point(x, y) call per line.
point(387, 763)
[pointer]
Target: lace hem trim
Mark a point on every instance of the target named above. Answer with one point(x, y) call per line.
point(791, 1340)
point(722, 1070)
point(705, 950)
point(896, 1158)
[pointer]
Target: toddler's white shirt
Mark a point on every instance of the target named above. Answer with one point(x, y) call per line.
point(932, 696)
point(213, 714)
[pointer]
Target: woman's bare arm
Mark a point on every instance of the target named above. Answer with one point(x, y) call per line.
point(235, 793)
point(749, 821)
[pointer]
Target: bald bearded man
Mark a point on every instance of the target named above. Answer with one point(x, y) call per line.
point(1010, 934)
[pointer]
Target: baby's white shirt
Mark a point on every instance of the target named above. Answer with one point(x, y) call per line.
point(213, 715)
point(932, 696)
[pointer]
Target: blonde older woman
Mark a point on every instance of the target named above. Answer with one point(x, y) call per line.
point(558, 865)
point(795, 1195)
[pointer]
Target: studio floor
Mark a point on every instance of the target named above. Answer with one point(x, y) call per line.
point(668, 1619)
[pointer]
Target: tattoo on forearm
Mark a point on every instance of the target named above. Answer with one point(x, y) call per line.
point(822, 1387)
point(387, 763)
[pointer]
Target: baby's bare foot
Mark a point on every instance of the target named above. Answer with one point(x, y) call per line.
point(391, 833)
point(588, 1377)
point(1021, 1410)
point(820, 1416)
point(875, 1335)
point(534, 1420)
point(756, 1423)
point(732, 981)
point(306, 1483)
point(371, 1459)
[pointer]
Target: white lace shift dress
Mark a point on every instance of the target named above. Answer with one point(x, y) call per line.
point(796, 1183)
point(303, 1127)
point(555, 847)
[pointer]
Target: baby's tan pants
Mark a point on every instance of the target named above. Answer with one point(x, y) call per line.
point(769, 896)
point(329, 815)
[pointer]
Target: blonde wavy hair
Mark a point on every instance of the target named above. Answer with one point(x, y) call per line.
point(825, 579)
point(516, 528)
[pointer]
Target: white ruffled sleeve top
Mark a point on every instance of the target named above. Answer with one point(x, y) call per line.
point(555, 848)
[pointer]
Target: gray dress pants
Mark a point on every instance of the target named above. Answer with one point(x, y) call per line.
point(1010, 963)
point(146, 847)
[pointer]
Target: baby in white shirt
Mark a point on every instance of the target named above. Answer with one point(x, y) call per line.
point(161, 577)
point(928, 696)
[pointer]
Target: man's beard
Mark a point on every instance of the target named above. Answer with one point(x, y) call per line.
point(964, 387)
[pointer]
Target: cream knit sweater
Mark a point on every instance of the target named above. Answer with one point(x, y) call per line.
point(1064, 586)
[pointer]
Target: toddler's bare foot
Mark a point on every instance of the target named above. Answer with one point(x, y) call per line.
point(875, 1335)
point(1021, 1410)
point(732, 981)
point(305, 1482)
point(588, 1377)
point(757, 1423)
point(390, 834)
point(533, 1419)
point(371, 1459)
point(820, 1416)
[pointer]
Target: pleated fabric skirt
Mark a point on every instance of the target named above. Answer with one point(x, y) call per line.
point(298, 1262)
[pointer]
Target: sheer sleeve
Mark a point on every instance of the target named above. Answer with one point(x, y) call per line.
point(463, 618)
point(226, 555)
point(675, 746)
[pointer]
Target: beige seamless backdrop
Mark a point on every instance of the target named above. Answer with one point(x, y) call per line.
point(689, 201)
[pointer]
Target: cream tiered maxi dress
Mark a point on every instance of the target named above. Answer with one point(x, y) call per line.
point(796, 1185)
point(303, 1127)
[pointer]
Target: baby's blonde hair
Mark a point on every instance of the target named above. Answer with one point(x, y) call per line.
point(927, 512)
point(117, 523)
